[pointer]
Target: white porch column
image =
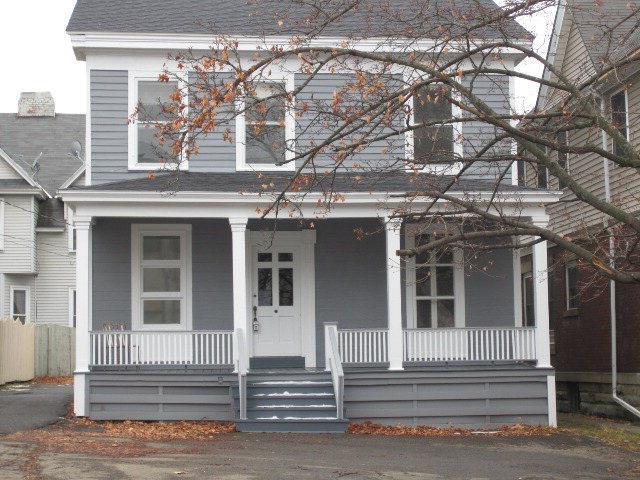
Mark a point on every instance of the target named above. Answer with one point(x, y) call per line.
point(239, 260)
point(394, 293)
point(83, 312)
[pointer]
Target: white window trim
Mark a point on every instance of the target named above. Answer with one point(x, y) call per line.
point(289, 130)
point(72, 291)
point(137, 232)
point(572, 264)
point(27, 300)
point(71, 228)
point(135, 77)
point(409, 140)
point(410, 283)
point(2, 220)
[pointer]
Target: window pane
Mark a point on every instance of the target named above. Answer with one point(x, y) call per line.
point(422, 257)
point(270, 110)
point(151, 94)
point(149, 150)
point(285, 279)
point(572, 287)
point(529, 316)
point(160, 247)
point(265, 144)
point(161, 280)
point(431, 104)
point(161, 312)
point(543, 177)
point(19, 302)
point(264, 257)
point(285, 257)
point(423, 309)
point(423, 282)
point(445, 313)
point(265, 289)
point(444, 281)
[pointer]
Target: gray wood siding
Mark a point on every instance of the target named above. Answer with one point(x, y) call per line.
point(18, 255)
point(109, 132)
point(494, 91)
point(56, 274)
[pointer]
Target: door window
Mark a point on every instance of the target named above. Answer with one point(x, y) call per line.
point(275, 279)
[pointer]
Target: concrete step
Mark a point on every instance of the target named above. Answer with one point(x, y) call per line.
point(327, 425)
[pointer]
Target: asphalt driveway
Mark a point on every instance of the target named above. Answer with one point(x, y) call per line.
point(56, 453)
point(25, 406)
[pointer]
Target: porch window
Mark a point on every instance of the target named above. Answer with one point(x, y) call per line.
point(161, 276)
point(436, 287)
point(19, 303)
point(266, 128)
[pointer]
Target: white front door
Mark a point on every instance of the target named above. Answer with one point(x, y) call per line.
point(276, 296)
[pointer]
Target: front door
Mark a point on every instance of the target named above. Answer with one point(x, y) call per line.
point(276, 296)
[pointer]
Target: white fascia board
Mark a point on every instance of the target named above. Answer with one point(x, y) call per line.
point(84, 41)
point(21, 191)
point(558, 25)
point(72, 178)
point(20, 171)
point(49, 229)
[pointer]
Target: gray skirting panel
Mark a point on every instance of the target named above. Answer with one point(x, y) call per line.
point(458, 396)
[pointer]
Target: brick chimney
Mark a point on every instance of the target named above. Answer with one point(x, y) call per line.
point(36, 104)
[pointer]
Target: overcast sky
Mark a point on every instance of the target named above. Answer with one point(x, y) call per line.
point(37, 54)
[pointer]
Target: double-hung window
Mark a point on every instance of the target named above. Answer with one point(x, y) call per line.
point(266, 126)
point(435, 287)
point(19, 300)
point(433, 145)
point(161, 277)
point(147, 97)
point(619, 117)
point(561, 139)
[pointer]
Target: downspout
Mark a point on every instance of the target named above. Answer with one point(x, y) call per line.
point(612, 285)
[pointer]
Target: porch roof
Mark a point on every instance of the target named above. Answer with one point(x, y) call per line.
point(261, 182)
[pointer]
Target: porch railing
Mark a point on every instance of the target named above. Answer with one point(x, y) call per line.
point(363, 345)
point(469, 344)
point(120, 348)
point(334, 365)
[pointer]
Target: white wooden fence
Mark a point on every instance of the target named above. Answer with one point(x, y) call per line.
point(161, 348)
point(16, 351)
point(363, 345)
point(470, 344)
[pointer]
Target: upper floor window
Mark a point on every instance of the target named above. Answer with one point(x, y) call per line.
point(561, 139)
point(571, 284)
point(146, 97)
point(433, 145)
point(619, 117)
point(265, 127)
point(543, 176)
point(19, 303)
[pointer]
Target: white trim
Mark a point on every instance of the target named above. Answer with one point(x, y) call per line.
point(306, 266)
point(69, 182)
point(2, 221)
point(552, 51)
point(71, 229)
point(290, 128)
point(551, 401)
point(71, 306)
point(138, 231)
point(49, 229)
point(87, 127)
point(32, 230)
point(134, 78)
point(27, 301)
point(410, 283)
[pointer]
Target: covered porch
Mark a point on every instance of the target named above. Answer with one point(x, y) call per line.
point(250, 289)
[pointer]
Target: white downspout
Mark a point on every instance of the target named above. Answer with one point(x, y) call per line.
point(612, 285)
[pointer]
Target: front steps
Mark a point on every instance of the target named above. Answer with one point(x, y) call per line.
point(289, 401)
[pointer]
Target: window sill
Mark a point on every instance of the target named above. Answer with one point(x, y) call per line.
point(266, 167)
point(141, 167)
point(572, 312)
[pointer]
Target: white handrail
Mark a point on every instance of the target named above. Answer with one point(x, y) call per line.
point(241, 366)
point(122, 348)
point(470, 344)
point(334, 365)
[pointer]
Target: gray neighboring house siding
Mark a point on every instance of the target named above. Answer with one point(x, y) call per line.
point(109, 132)
point(350, 277)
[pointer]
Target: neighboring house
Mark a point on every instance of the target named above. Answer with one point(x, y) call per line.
point(179, 295)
point(579, 305)
point(37, 258)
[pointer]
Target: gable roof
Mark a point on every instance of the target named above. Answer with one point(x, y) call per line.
point(279, 17)
point(23, 138)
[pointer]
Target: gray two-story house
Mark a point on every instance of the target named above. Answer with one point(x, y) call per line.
point(190, 305)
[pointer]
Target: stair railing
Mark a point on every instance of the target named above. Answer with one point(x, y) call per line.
point(241, 367)
point(333, 363)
